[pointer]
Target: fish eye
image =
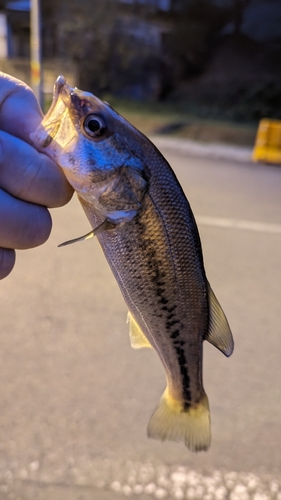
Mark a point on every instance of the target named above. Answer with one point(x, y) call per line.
point(94, 126)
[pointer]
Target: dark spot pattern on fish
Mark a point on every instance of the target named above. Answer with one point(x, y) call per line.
point(186, 393)
point(169, 324)
point(178, 344)
point(175, 334)
point(171, 315)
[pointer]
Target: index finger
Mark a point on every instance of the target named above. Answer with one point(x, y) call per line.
point(23, 171)
point(20, 113)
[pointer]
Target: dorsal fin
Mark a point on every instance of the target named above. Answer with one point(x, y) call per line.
point(137, 337)
point(219, 333)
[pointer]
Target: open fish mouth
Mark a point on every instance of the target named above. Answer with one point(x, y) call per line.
point(63, 120)
point(62, 91)
point(60, 83)
point(50, 124)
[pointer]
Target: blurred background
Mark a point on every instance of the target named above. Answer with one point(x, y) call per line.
point(201, 59)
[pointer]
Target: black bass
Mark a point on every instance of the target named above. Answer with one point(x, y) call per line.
point(147, 231)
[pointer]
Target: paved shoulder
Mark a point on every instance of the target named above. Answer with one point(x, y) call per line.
point(211, 151)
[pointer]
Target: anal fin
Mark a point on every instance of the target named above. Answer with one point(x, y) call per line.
point(137, 337)
point(219, 333)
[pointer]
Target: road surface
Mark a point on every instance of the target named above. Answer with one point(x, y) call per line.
point(75, 399)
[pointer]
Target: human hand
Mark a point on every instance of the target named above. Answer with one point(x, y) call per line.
point(29, 181)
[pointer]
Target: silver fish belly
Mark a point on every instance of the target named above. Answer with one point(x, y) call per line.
point(150, 239)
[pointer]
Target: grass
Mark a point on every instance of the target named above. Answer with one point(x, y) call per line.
point(160, 119)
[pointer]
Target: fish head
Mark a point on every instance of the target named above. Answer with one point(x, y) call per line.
point(98, 150)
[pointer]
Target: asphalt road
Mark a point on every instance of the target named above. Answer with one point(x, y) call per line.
point(75, 399)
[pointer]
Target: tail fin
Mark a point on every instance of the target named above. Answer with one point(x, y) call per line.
point(171, 421)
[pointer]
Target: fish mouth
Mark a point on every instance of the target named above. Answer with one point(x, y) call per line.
point(61, 90)
point(51, 123)
point(59, 84)
point(61, 100)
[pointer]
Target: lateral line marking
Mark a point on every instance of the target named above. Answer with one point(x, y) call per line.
point(260, 227)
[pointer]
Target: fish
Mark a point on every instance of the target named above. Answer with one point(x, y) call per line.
point(147, 231)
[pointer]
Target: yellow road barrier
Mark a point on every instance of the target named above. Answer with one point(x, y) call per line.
point(268, 141)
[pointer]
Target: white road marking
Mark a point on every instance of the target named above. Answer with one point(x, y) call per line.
point(260, 227)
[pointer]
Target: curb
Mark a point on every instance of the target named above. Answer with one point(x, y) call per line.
point(214, 151)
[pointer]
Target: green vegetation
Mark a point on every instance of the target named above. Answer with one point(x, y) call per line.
point(158, 118)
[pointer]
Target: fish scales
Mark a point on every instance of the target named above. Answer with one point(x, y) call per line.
point(162, 278)
point(148, 234)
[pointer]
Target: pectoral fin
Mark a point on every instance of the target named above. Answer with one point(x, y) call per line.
point(219, 333)
point(137, 337)
point(104, 226)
